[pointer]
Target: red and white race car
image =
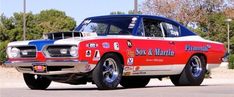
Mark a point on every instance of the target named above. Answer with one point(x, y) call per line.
point(116, 49)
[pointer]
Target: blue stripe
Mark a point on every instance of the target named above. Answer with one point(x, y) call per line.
point(41, 43)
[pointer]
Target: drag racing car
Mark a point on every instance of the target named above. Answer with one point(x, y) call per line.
point(116, 49)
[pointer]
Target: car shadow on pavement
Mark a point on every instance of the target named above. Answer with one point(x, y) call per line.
point(118, 88)
point(82, 89)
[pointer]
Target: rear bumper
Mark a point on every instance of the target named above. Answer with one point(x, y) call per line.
point(65, 67)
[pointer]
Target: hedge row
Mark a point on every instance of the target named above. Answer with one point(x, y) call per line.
point(231, 61)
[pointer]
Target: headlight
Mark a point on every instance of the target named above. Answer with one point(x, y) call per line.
point(13, 52)
point(74, 51)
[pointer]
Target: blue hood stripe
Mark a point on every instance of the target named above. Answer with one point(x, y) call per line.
point(41, 43)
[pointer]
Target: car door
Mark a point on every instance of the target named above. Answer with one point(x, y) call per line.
point(172, 35)
point(153, 52)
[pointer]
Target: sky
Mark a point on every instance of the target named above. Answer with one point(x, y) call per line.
point(77, 9)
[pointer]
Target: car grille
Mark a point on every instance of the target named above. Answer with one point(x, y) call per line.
point(55, 51)
point(27, 51)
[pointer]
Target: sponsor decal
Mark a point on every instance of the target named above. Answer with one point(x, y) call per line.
point(126, 73)
point(134, 19)
point(133, 22)
point(128, 68)
point(150, 52)
point(155, 52)
point(129, 43)
point(116, 46)
point(88, 53)
point(87, 68)
point(197, 48)
point(96, 56)
point(105, 45)
point(154, 60)
point(131, 26)
point(160, 52)
point(130, 61)
point(139, 72)
point(92, 45)
point(140, 52)
point(130, 53)
point(137, 68)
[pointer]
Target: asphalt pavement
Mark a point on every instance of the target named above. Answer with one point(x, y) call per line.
point(220, 85)
point(165, 89)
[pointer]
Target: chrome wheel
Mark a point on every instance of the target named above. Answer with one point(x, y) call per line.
point(196, 66)
point(110, 70)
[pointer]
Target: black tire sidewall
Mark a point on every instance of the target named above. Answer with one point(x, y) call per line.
point(36, 84)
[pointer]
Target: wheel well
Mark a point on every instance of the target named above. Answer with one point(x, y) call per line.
point(119, 56)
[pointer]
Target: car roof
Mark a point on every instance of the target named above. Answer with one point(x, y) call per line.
point(137, 15)
point(184, 31)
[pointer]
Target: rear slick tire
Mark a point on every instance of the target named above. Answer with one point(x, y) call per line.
point(193, 73)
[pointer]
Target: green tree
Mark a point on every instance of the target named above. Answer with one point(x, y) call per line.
point(216, 27)
point(53, 20)
point(232, 36)
point(3, 51)
point(11, 28)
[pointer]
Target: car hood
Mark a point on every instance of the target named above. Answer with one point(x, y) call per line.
point(41, 43)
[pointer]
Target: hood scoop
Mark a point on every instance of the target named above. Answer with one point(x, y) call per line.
point(65, 35)
point(61, 35)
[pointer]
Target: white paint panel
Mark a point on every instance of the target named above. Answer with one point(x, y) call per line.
point(184, 38)
point(70, 41)
point(19, 43)
point(191, 38)
point(157, 70)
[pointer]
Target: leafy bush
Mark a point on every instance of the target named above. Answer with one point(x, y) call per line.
point(231, 62)
point(208, 74)
point(3, 51)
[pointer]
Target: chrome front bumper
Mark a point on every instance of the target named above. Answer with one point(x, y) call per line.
point(74, 67)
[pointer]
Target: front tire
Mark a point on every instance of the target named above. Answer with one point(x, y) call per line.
point(134, 82)
point(36, 82)
point(108, 72)
point(193, 73)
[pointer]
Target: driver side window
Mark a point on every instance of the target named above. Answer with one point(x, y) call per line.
point(152, 28)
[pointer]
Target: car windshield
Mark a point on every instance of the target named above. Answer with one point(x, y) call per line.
point(108, 26)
